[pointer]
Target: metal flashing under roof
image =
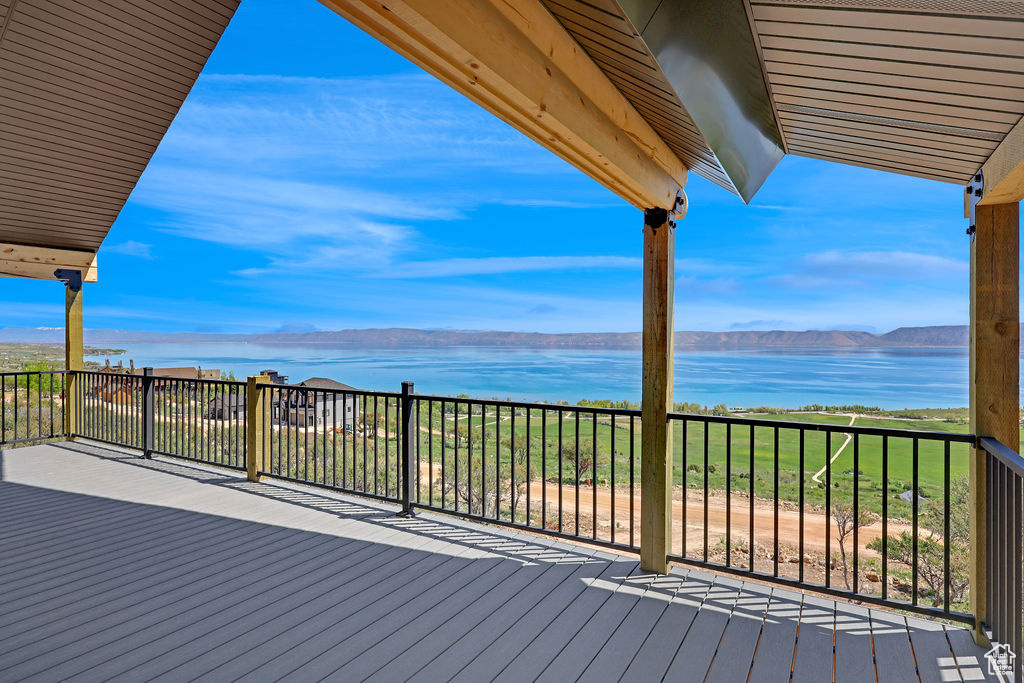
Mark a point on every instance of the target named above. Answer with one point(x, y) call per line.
point(927, 88)
point(89, 89)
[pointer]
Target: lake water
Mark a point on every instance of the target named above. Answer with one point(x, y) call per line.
point(889, 378)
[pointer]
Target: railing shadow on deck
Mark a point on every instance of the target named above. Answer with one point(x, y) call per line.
point(105, 586)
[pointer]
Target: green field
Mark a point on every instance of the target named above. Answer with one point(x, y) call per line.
point(597, 436)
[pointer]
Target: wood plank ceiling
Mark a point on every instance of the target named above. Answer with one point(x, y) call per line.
point(927, 88)
point(89, 89)
point(921, 87)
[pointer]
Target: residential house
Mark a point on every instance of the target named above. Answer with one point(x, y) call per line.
point(229, 406)
point(322, 402)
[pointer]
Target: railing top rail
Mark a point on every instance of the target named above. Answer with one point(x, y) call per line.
point(820, 427)
point(1003, 453)
point(136, 376)
point(12, 373)
point(529, 405)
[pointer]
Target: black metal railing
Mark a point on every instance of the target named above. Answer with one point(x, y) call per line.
point(1004, 507)
point(344, 439)
point(872, 513)
point(562, 470)
point(877, 514)
point(31, 407)
point(197, 419)
point(109, 408)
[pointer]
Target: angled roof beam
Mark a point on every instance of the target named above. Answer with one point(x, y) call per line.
point(516, 61)
point(1003, 172)
point(17, 260)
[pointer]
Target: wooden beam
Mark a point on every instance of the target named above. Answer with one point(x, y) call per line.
point(515, 60)
point(994, 369)
point(18, 260)
point(1004, 170)
point(656, 402)
point(73, 356)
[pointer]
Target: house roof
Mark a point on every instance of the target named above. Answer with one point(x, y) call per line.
point(89, 89)
point(180, 373)
point(927, 88)
point(325, 383)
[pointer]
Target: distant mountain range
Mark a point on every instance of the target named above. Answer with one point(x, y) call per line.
point(943, 336)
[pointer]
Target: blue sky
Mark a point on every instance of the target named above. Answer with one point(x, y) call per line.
point(314, 179)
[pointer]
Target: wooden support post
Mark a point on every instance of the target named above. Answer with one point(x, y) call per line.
point(655, 436)
point(73, 355)
point(256, 423)
point(995, 381)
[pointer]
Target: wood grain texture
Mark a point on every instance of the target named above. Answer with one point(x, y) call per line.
point(656, 400)
point(994, 365)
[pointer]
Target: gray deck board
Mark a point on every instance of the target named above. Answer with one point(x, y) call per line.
point(697, 650)
point(934, 656)
point(969, 658)
point(460, 651)
point(569, 620)
point(773, 655)
point(854, 659)
point(622, 645)
point(655, 655)
point(115, 568)
point(813, 660)
point(735, 654)
point(894, 660)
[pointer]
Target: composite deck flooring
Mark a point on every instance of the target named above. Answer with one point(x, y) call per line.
point(116, 568)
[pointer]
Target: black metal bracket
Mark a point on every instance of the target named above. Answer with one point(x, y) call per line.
point(72, 278)
point(972, 196)
point(657, 216)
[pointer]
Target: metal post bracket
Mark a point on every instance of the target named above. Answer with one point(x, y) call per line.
point(972, 195)
point(72, 278)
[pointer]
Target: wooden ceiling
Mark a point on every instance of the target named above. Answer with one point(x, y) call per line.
point(89, 89)
point(928, 88)
point(923, 88)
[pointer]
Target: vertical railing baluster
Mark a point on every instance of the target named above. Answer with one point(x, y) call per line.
point(593, 472)
point(728, 494)
point(612, 476)
point(914, 497)
point(560, 415)
point(750, 503)
point(856, 510)
point(632, 480)
point(775, 515)
point(707, 488)
point(885, 517)
point(828, 509)
point(576, 417)
point(529, 473)
point(685, 484)
point(947, 541)
point(800, 569)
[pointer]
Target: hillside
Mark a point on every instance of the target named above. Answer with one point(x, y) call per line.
point(943, 336)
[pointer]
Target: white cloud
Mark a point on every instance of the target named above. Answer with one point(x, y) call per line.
point(828, 270)
point(900, 263)
point(457, 267)
point(130, 248)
